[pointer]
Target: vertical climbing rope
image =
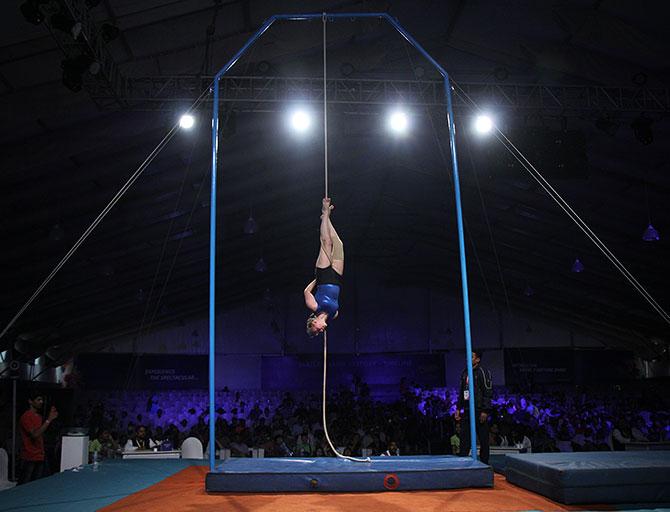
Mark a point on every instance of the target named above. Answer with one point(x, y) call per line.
point(325, 335)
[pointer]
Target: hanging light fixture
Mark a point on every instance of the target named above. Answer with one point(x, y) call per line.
point(250, 226)
point(650, 234)
point(57, 233)
point(260, 266)
point(577, 266)
point(642, 129)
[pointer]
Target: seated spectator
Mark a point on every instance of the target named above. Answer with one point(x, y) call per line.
point(496, 438)
point(637, 430)
point(578, 440)
point(104, 444)
point(140, 441)
point(455, 440)
point(238, 448)
point(302, 447)
point(279, 449)
point(391, 450)
point(522, 441)
point(621, 435)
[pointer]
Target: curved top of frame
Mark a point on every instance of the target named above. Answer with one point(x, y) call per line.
point(298, 17)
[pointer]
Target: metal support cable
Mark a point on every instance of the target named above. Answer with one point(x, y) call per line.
point(563, 204)
point(117, 197)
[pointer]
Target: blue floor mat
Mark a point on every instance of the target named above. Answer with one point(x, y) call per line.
point(593, 477)
point(328, 474)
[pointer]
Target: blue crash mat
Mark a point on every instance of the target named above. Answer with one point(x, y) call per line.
point(593, 477)
point(328, 474)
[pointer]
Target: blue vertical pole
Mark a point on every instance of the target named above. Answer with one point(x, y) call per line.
point(212, 236)
point(212, 275)
point(464, 272)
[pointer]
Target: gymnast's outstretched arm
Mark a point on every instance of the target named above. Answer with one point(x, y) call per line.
point(310, 301)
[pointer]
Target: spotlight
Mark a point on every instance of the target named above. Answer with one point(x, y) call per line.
point(347, 69)
point(186, 121)
point(301, 121)
point(398, 122)
point(483, 124)
point(263, 67)
point(640, 79)
point(501, 74)
point(642, 129)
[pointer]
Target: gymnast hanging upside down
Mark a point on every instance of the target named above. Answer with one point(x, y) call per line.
point(322, 294)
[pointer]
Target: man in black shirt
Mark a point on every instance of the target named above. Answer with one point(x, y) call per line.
point(483, 389)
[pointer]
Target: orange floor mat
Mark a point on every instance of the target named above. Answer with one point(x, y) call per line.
point(185, 491)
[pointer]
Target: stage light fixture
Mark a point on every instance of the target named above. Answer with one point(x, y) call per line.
point(347, 69)
point(57, 233)
point(607, 125)
point(501, 74)
point(640, 79)
point(109, 32)
point(260, 266)
point(31, 11)
point(577, 266)
point(65, 23)
point(263, 67)
point(186, 121)
point(398, 122)
point(74, 69)
point(650, 234)
point(250, 226)
point(301, 121)
point(642, 129)
point(483, 124)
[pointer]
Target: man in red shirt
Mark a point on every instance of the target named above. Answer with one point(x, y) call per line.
point(32, 439)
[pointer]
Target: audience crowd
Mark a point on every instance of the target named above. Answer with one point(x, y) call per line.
point(419, 422)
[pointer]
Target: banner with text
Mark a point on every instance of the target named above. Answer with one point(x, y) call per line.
point(150, 371)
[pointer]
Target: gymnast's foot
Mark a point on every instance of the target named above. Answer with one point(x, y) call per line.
point(326, 207)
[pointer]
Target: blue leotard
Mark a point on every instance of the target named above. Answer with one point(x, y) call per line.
point(326, 297)
point(327, 293)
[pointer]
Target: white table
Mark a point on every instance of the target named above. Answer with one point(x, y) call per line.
point(74, 452)
point(150, 454)
point(505, 450)
point(639, 446)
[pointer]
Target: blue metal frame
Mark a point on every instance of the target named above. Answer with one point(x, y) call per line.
point(212, 230)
